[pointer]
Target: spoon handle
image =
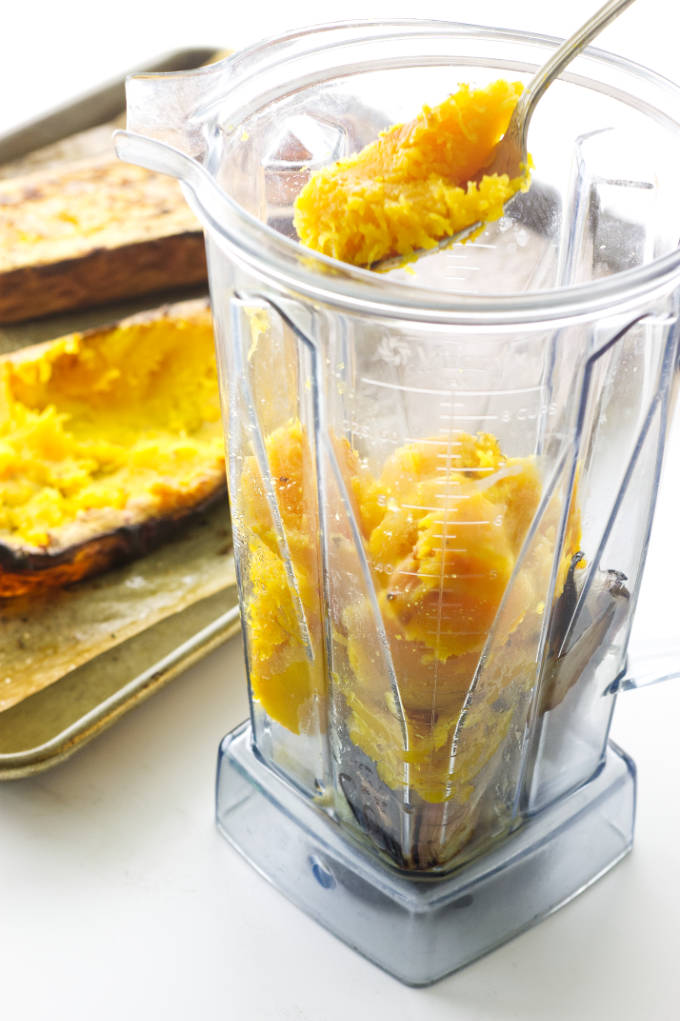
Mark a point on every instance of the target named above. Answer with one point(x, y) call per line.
point(567, 51)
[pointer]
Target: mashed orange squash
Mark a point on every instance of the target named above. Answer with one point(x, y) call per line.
point(442, 525)
point(416, 184)
point(283, 602)
point(113, 419)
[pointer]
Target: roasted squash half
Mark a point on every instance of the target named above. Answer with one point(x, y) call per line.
point(93, 231)
point(109, 440)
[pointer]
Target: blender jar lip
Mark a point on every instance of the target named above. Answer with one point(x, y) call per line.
point(286, 263)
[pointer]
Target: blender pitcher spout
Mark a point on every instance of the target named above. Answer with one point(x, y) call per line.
point(154, 155)
point(166, 118)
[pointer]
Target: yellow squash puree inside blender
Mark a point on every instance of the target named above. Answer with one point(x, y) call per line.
point(442, 523)
point(442, 550)
point(414, 185)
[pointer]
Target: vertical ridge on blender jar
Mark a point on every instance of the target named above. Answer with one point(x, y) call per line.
point(571, 242)
point(657, 406)
point(552, 598)
point(272, 549)
point(588, 649)
point(550, 495)
point(405, 817)
point(261, 455)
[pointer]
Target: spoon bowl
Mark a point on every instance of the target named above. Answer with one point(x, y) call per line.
point(510, 155)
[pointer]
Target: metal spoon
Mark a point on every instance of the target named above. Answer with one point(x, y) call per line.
point(510, 154)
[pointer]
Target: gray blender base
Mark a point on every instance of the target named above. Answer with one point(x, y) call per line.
point(422, 928)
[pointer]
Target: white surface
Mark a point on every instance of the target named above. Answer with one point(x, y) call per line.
point(117, 897)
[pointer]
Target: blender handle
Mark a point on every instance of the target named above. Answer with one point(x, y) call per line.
point(649, 665)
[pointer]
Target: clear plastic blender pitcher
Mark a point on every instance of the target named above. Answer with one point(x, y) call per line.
point(442, 482)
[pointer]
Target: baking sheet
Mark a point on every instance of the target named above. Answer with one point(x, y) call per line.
point(155, 616)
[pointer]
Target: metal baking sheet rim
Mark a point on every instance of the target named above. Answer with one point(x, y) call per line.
point(15, 766)
point(90, 109)
point(96, 106)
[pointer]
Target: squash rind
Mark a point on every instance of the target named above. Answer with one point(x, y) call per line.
point(90, 232)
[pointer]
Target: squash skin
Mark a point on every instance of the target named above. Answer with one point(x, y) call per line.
point(102, 275)
point(23, 572)
point(90, 232)
point(99, 535)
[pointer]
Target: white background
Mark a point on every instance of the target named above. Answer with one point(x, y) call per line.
point(52, 51)
point(117, 897)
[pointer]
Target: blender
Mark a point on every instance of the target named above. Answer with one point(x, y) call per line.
point(442, 482)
